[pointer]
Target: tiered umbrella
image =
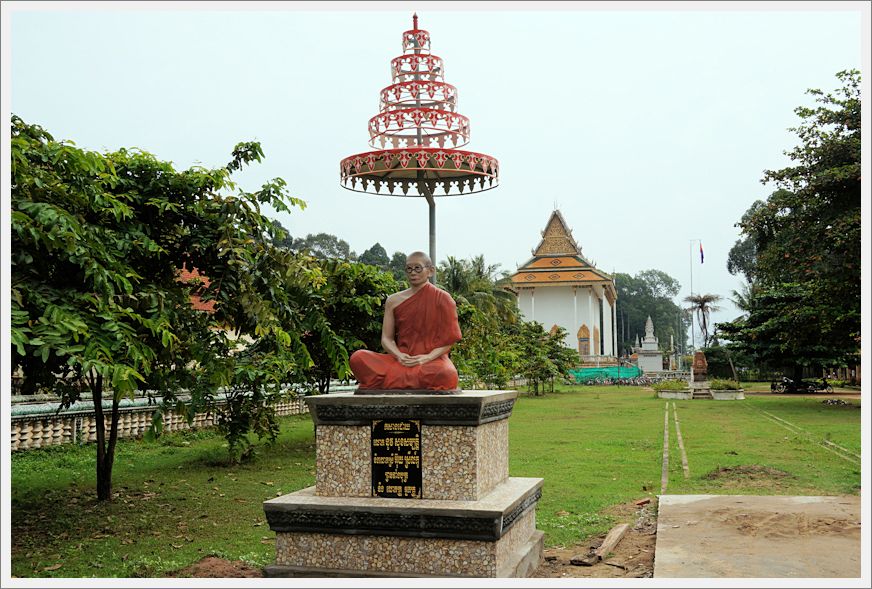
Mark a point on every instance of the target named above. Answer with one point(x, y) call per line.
point(416, 136)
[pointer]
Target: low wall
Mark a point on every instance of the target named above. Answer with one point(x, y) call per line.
point(675, 394)
point(36, 425)
point(732, 395)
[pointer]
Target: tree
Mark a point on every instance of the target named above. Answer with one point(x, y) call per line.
point(561, 357)
point(742, 258)
point(281, 237)
point(487, 356)
point(542, 355)
point(376, 256)
point(744, 298)
point(352, 302)
point(775, 332)
point(398, 266)
point(807, 242)
point(324, 246)
point(702, 305)
point(474, 281)
point(97, 305)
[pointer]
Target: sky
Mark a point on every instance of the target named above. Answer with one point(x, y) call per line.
point(648, 125)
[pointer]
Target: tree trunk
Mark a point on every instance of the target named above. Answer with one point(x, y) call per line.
point(324, 383)
point(105, 451)
point(732, 367)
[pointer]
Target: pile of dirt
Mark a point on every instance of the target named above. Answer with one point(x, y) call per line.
point(747, 472)
point(214, 567)
point(784, 525)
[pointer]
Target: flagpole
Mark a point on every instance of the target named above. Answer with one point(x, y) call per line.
point(692, 330)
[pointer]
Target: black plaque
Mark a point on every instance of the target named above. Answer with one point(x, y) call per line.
point(396, 458)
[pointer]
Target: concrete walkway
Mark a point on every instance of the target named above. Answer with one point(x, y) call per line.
point(726, 536)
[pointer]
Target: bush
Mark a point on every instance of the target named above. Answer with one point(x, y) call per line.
point(718, 384)
point(670, 385)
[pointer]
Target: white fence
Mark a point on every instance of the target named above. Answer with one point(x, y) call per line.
point(35, 425)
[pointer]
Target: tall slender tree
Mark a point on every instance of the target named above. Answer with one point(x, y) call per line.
point(703, 305)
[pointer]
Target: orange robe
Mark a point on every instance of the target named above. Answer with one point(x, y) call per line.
point(425, 321)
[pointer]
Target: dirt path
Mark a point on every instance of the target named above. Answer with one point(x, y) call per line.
point(633, 557)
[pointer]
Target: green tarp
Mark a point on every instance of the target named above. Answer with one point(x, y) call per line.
point(583, 374)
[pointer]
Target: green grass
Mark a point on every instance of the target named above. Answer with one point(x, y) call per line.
point(179, 500)
point(727, 434)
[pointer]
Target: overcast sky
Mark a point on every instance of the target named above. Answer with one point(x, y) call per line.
point(648, 126)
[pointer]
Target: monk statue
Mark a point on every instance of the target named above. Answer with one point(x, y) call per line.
point(420, 326)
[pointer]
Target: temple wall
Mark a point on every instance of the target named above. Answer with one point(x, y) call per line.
point(555, 305)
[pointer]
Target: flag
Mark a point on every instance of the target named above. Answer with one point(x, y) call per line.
point(701, 255)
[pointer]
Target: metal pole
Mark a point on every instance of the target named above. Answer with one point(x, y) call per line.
point(692, 330)
point(431, 204)
point(422, 185)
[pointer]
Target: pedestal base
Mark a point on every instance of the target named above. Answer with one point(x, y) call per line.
point(354, 536)
point(522, 563)
point(409, 485)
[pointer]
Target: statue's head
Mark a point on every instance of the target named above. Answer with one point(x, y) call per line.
point(419, 268)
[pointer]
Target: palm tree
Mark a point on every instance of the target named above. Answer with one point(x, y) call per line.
point(703, 305)
point(453, 276)
point(744, 298)
point(475, 282)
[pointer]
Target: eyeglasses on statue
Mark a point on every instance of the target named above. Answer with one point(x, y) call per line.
point(417, 268)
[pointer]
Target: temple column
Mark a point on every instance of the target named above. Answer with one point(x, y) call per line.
point(614, 330)
point(590, 323)
point(599, 319)
point(575, 313)
point(532, 304)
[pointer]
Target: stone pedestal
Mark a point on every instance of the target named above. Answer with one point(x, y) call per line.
point(464, 516)
point(699, 368)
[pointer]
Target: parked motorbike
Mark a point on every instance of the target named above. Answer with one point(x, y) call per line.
point(818, 387)
point(788, 385)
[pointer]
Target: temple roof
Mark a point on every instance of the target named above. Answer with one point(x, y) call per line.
point(557, 238)
point(558, 261)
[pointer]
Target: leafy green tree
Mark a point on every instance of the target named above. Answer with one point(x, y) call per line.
point(742, 258)
point(324, 246)
point(542, 355)
point(807, 242)
point(487, 356)
point(97, 305)
point(281, 237)
point(376, 256)
point(775, 332)
point(398, 266)
point(352, 303)
point(562, 358)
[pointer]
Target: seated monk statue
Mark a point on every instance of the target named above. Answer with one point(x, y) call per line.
point(420, 326)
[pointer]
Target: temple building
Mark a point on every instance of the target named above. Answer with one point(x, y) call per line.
point(559, 287)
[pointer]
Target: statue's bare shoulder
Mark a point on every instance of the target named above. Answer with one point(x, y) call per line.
point(397, 298)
